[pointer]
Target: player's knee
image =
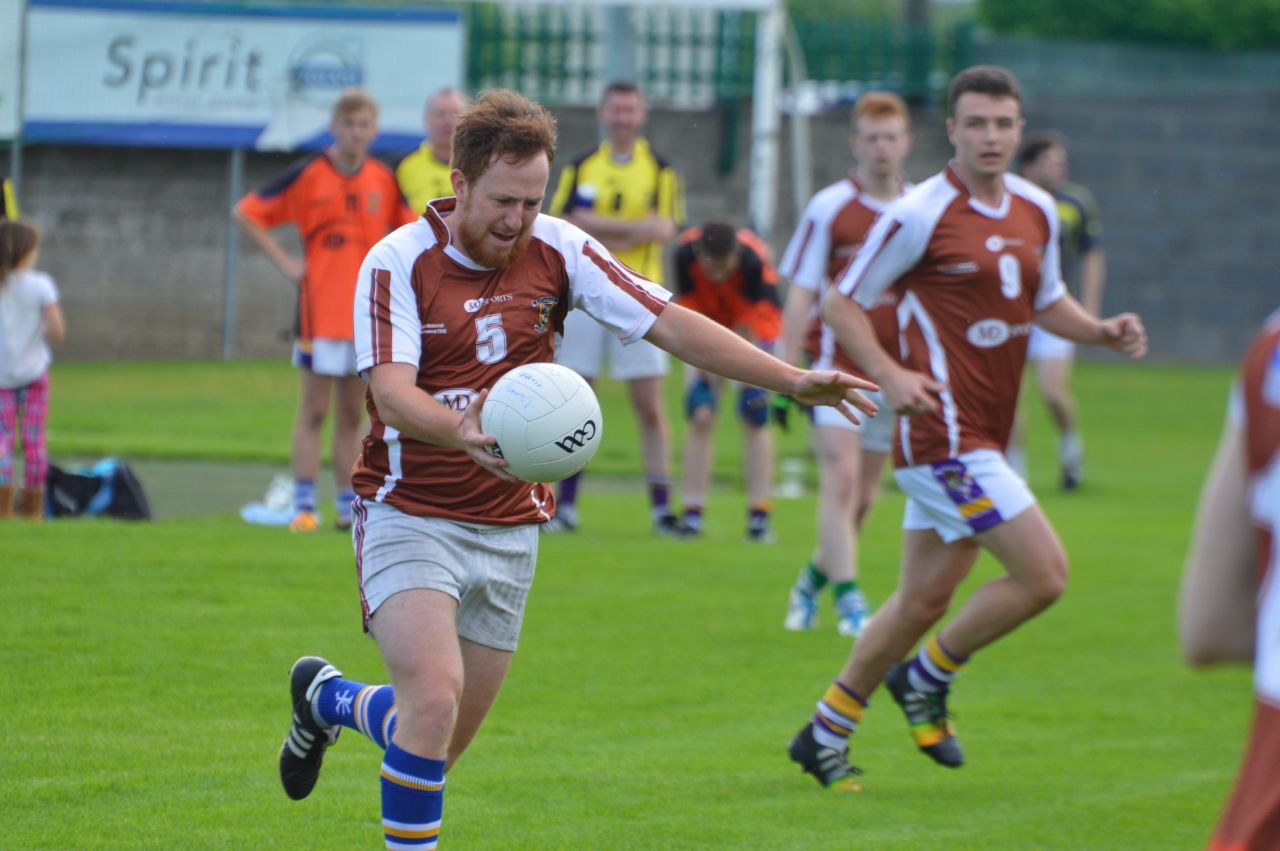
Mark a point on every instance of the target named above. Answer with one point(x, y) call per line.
point(753, 407)
point(312, 418)
point(1049, 582)
point(699, 402)
point(925, 608)
point(428, 711)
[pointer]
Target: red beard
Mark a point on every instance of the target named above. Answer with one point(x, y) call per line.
point(473, 244)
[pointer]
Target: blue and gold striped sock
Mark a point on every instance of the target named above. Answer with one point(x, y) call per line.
point(934, 667)
point(838, 714)
point(371, 710)
point(412, 800)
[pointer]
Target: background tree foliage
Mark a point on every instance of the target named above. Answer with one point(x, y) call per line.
point(1213, 24)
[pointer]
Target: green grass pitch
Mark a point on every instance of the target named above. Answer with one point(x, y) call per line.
point(654, 693)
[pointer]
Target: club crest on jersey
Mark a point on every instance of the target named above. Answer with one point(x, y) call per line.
point(544, 305)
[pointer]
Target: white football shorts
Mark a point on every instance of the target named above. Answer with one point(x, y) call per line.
point(876, 432)
point(487, 569)
point(960, 497)
point(586, 344)
point(325, 356)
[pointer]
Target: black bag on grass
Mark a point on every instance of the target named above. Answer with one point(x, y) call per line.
point(107, 489)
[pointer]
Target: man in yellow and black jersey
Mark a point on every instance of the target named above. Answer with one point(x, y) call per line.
point(8, 199)
point(1043, 161)
point(423, 175)
point(631, 199)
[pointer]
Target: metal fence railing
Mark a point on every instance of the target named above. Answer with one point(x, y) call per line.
point(684, 57)
point(916, 62)
point(691, 58)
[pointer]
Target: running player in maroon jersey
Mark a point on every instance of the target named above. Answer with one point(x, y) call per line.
point(850, 458)
point(1230, 607)
point(445, 539)
point(974, 251)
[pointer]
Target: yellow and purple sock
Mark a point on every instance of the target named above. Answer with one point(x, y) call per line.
point(371, 710)
point(568, 492)
point(659, 496)
point(838, 714)
point(692, 517)
point(934, 667)
point(412, 800)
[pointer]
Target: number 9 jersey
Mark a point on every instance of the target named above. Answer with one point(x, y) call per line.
point(972, 279)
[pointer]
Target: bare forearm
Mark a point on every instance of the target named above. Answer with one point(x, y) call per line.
point(1217, 606)
point(709, 346)
point(260, 237)
point(855, 335)
point(1093, 281)
point(411, 411)
point(1068, 319)
point(55, 327)
point(623, 232)
point(795, 321)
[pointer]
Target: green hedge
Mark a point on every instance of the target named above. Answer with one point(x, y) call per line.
point(1214, 24)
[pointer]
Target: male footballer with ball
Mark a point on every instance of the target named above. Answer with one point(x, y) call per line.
point(445, 539)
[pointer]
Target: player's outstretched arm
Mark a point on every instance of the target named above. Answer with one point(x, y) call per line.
point(408, 409)
point(1067, 318)
point(1217, 606)
point(707, 345)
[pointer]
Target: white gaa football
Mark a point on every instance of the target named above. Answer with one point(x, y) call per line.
point(546, 419)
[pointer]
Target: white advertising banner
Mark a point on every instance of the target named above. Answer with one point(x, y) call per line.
point(209, 75)
point(10, 66)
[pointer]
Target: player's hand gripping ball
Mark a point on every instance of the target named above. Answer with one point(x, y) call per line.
point(546, 419)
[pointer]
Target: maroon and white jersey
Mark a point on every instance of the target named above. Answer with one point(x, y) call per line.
point(832, 229)
point(1252, 818)
point(421, 301)
point(971, 279)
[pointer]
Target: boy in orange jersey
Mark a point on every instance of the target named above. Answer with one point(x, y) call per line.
point(725, 275)
point(342, 202)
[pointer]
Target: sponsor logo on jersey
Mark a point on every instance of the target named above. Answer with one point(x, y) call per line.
point(434, 328)
point(544, 304)
point(996, 244)
point(471, 305)
point(456, 398)
point(989, 333)
point(968, 267)
point(577, 438)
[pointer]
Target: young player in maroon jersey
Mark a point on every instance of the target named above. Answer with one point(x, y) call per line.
point(850, 458)
point(974, 251)
point(445, 539)
point(1230, 606)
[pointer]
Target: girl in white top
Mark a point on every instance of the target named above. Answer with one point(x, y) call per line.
point(30, 320)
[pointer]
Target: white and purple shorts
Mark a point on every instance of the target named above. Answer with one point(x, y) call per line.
point(960, 497)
